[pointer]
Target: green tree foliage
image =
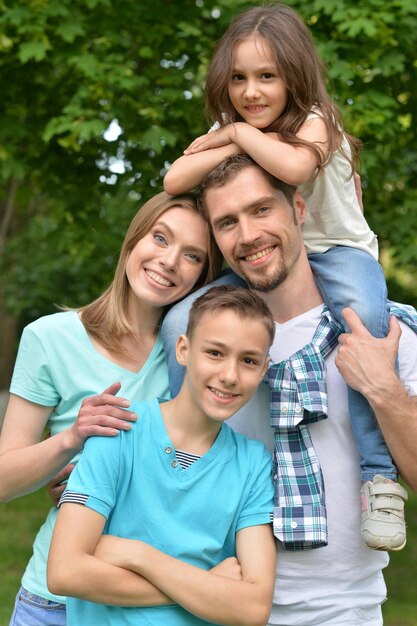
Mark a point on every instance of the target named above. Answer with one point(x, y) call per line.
point(68, 68)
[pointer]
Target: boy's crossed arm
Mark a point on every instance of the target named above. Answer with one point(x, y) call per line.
point(127, 572)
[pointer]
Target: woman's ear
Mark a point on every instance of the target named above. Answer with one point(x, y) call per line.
point(182, 349)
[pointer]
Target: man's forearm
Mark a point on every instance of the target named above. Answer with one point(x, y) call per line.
point(396, 412)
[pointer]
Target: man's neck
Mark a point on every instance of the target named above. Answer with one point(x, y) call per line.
point(295, 296)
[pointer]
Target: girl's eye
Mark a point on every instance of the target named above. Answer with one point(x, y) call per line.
point(160, 238)
point(237, 77)
point(267, 75)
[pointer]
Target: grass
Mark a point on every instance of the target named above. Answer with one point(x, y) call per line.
point(20, 520)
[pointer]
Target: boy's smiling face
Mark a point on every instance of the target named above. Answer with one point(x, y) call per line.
point(226, 358)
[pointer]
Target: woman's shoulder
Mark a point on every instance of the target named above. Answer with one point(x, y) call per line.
point(62, 322)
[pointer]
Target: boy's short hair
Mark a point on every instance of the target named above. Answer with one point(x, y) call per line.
point(242, 301)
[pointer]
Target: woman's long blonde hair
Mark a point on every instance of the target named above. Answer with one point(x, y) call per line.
point(106, 318)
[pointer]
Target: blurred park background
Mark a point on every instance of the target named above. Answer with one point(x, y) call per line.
point(98, 97)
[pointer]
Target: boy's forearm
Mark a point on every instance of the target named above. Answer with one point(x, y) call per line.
point(89, 578)
point(206, 594)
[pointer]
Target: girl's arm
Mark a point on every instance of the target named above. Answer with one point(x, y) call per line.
point(292, 164)
point(27, 462)
point(74, 570)
point(188, 171)
point(207, 594)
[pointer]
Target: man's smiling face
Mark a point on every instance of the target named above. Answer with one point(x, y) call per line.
point(256, 228)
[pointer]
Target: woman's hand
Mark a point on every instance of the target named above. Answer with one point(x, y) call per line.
point(57, 484)
point(104, 415)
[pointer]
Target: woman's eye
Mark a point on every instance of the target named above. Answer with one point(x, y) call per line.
point(194, 258)
point(160, 238)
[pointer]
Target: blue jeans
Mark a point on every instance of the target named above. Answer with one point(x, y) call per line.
point(350, 277)
point(345, 277)
point(31, 610)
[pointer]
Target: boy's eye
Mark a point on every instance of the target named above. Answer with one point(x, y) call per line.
point(250, 361)
point(214, 353)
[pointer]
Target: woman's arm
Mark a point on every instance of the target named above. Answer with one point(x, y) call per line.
point(207, 594)
point(74, 570)
point(27, 462)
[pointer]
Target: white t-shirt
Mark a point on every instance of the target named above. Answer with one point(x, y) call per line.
point(341, 584)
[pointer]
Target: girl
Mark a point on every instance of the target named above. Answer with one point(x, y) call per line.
point(67, 357)
point(266, 94)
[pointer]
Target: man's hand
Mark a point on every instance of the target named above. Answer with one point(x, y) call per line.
point(364, 361)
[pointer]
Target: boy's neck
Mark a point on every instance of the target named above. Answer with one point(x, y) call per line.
point(188, 428)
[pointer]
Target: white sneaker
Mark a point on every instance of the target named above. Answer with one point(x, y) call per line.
point(383, 524)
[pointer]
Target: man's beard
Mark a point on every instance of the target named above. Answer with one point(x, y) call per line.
point(267, 283)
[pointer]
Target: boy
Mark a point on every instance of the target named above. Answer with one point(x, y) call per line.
point(180, 495)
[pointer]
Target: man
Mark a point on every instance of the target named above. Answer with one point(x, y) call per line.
point(257, 222)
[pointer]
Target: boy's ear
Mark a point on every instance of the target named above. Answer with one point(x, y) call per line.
point(265, 368)
point(182, 349)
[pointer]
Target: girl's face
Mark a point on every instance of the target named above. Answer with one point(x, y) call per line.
point(167, 262)
point(256, 89)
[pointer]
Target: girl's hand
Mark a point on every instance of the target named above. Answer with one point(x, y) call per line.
point(215, 139)
point(102, 415)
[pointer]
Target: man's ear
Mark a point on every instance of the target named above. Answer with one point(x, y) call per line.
point(182, 349)
point(300, 207)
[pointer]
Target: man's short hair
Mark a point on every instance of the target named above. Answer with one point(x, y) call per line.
point(244, 302)
point(229, 168)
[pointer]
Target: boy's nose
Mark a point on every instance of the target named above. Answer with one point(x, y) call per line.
point(228, 375)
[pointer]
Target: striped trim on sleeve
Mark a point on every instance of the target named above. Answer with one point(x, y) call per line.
point(74, 497)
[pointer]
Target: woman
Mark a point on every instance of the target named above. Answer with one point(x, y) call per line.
point(67, 357)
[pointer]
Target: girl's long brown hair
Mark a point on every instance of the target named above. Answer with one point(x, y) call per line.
point(300, 67)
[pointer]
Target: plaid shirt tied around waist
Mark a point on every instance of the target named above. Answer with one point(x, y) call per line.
point(298, 397)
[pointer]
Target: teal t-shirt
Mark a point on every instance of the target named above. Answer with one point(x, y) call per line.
point(58, 366)
point(192, 514)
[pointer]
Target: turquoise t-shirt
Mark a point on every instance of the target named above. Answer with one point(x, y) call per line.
point(58, 366)
point(193, 514)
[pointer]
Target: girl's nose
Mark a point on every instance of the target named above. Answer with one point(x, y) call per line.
point(251, 90)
